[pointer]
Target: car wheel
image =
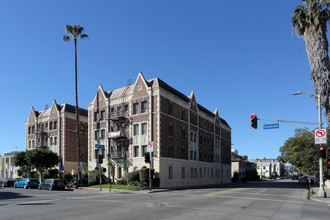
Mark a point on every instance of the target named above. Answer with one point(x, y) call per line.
point(24, 186)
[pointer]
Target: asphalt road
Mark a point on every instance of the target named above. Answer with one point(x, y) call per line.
point(280, 199)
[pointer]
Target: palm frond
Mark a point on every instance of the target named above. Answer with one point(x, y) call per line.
point(65, 38)
point(83, 36)
point(68, 29)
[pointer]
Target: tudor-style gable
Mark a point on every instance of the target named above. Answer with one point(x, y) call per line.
point(54, 111)
point(140, 87)
point(32, 116)
point(193, 103)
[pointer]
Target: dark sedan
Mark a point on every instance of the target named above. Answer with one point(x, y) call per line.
point(51, 184)
point(7, 182)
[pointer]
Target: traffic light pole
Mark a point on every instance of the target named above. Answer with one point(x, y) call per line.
point(321, 193)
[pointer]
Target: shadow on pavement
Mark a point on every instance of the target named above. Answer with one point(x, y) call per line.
point(12, 195)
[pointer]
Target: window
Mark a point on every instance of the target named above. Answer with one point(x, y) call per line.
point(170, 109)
point(170, 172)
point(55, 125)
point(51, 141)
point(102, 115)
point(126, 108)
point(135, 108)
point(144, 148)
point(119, 111)
point(29, 144)
point(183, 173)
point(183, 134)
point(144, 107)
point(170, 132)
point(102, 134)
point(136, 151)
point(136, 130)
point(96, 135)
point(96, 116)
point(183, 114)
point(29, 132)
point(144, 129)
point(50, 125)
point(191, 137)
point(191, 173)
point(195, 137)
point(200, 172)
point(46, 125)
point(183, 153)
point(191, 155)
point(55, 140)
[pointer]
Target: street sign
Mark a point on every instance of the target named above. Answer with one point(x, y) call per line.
point(320, 136)
point(150, 147)
point(99, 146)
point(271, 126)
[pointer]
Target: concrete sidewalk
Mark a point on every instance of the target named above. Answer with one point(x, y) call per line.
point(313, 195)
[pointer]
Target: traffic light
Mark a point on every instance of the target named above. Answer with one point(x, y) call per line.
point(254, 121)
point(328, 163)
point(322, 152)
point(100, 158)
point(147, 157)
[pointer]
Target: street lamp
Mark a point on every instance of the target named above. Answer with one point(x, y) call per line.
point(321, 193)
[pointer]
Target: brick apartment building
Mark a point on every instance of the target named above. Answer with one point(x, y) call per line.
point(192, 145)
point(55, 128)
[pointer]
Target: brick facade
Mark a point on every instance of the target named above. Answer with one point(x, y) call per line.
point(55, 128)
point(192, 145)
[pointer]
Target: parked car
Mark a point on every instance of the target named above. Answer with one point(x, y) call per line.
point(27, 183)
point(7, 182)
point(303, 180)
point(51, 184)
point(295, 178)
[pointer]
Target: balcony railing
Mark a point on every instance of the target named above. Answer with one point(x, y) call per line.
point(118, 115)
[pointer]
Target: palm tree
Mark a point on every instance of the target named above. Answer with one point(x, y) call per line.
point(310, 23)
point(75, 32)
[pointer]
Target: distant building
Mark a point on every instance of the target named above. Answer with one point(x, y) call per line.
point(240, 164)
point(7, 168)
point(267, 167)
point(55, 129)
point(191, 145)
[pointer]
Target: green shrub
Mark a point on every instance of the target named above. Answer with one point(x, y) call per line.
point(67, 177)
point(235, 177)
point(144, 175)
point(121, 182)
point(133, 176)
point(155, 182)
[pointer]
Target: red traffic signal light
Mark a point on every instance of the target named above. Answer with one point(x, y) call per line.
point(322, 152)
point(328, 162)
point(254, 121)
point(100, 158)
point(147, 157)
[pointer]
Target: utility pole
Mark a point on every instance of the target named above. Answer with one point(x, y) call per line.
point(321, 192)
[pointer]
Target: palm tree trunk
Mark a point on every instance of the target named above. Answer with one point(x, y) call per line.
point(77, 109)
point(317, 52)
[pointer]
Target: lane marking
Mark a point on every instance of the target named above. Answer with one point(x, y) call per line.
point(260, 191)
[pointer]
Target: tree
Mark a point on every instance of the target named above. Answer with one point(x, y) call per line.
point(75, 32)
point(41, 159)
point(301, 152)
point(19, 160)
point(310, 22)
point(111, 170)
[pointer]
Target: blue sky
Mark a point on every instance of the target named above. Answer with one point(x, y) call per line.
point(240, 58)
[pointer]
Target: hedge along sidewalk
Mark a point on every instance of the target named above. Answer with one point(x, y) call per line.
point(106, 186)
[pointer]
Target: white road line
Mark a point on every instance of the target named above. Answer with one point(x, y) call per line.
point(260, 191)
